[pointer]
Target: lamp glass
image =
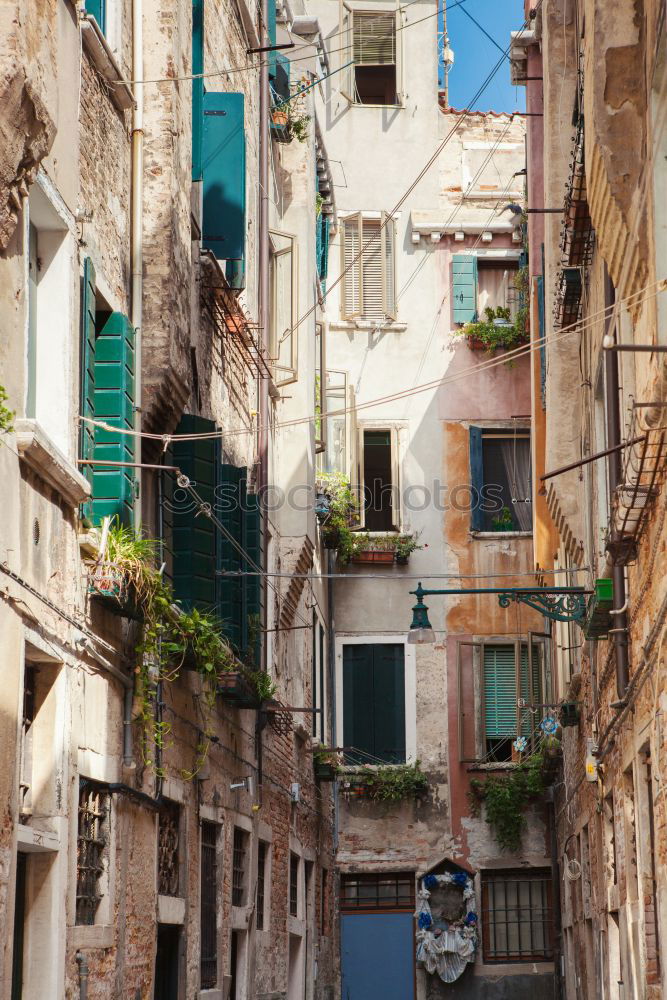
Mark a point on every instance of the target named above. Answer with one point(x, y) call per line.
point(421, 636)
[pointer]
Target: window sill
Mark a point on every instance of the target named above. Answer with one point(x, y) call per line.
point(38, 451)
point(494, 765)
point(105, 63)
point(501, 534)
point(170, 909)
point(385, 325)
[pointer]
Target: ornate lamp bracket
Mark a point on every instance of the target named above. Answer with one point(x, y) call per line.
point(565, 607)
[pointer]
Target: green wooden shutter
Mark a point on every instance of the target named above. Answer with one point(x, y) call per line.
point(231, 604)
point(113, 486)
point(358, 702)
point(253, 543)
point(194, 534)
point(499, 692)
point(464, 287)
point(87, 370)
point(389, 702)
point(477, 518)
point(224, 175)
point(197, 86)
point(98, 9)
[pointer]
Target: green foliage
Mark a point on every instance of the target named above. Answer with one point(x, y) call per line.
point(319, 202)
point(261, 683)
point(343, 508)
point(505, 796)
point(6, 415)
point(503, 519)
point(406, 545)
point(393, 782)
point(492, 335)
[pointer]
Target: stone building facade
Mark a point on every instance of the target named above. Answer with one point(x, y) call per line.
point(156, 841)
point(596, 86)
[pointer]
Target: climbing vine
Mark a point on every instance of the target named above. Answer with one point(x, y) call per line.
point(505, 796)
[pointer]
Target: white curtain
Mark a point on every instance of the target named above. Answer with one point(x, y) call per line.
point(516, 460)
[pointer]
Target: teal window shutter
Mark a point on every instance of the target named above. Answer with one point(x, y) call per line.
point(280, 85)
point(476, 479)
point(98, 9)
point(499, 692)
point(87, 370)
point(374, 702)
point(322, 247)
point(224, 175)
point(113, 486)
point(194, 534)
point(464, 287)
point(271, 31)
point(197, 87)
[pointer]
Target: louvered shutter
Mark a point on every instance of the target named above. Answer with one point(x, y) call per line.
point(374, 39)
point(231, 602)
point(389, 702)
point(389, 264)
point(352, 236)
point(197, 87)
point(373, 295)
point(194, 534)
point(98, 9)
point(499, 692)
point(346, 22)
point(464, 287)
point(253, 538)
point(87, 369)
point(476, 479)
point(358, 702)
point(113, 485)
point(224, 175)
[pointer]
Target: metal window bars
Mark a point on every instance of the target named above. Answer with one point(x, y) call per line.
point(294, 885)
point(238, 866)
point(169, 849)
point(208, 961)
point(92, 838)
point(516, 916)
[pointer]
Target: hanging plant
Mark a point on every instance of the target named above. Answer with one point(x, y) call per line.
point(504, 798)
point(390, 783)
point(6, 415)
point(335, 526)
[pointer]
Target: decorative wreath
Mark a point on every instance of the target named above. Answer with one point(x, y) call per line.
point(446, 949)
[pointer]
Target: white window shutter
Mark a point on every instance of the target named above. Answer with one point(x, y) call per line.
point(389, 261)
point(396, 510)
point(352, 298)
point(373, 298)
point(400, 96)
point(346, 24)
point(374, 39)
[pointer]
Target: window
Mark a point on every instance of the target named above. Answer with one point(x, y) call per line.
point(283, 265)
point(374, 77)
point(368, 263)
point(500, 474)
point(91, 847)
point(516, 916)
point(318, 680)
point(378, 891)
point(496, 287)
point(491, 679)
point(374, 703)
point(294, 885)
point(208, 944)
point(262, 861)
point(239, 856)
point(169, 849)
point(381, 497)
point(27, 739)
point(324, 903)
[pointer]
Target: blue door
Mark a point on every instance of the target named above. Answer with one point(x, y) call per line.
point(377, 956)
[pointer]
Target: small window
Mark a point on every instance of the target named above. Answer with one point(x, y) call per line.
point(502, 688)
point(27, 736)
point(294, 885)
point(496, 287)
point(374, 77)
point(262, 860)
point(368, 264)
point(208, 961)
point(378, 891)
point(169, 849)
point(283, 282)
point(92, 841)
point(501, 483)
point(374, 703)
point(98, 10)
point(380, 503)
point(239, 861)
point(516, 916)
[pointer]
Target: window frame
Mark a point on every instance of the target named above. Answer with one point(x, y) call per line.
point(284, 374)
point(347, 10)
point(387, 233)
point(404, 904)
point(359, 483)
point(541, 875)
point(239, 886)
point(263, 883)
point(478, 484)
point(206, 886)
point(294, 881)
point(101, 880)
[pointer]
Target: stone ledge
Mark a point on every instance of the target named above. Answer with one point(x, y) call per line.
point(105, 63)
point(499, 535)
point(30, 840)
point(170, 909)
point(92, 937)
point(37, 450)
point(368, 326)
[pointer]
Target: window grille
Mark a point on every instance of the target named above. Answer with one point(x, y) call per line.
point(378, 891)
point(261, 875)
point(209, 889)
point(516, 916)
point(169, 849)
point(92, 838)
point(238, 866)
point(294, 885)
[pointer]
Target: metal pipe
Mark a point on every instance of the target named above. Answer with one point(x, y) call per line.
point(264, 292)
point(82, 962)
point(128, 756)
point(592, 458)
point(331, 664)
point(136, 220)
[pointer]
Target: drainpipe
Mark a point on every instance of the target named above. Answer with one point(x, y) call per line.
point(263, 283)
point(82, 962)
point(128, 756)
point(620, 629)
point(136, 220)
point(331, 632)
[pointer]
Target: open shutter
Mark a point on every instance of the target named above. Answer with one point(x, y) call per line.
point(389, 702)
point(113, 485)
point(388, 227)
point(197, 87)
point(542, 332)
point(231, 588)
point(351, 239)
point(476, 479)
point(346, 55)
point(396, 512)
point(358, 702)
point(271, 32)
point(194, 542)
point(465, 694)
point(98, 9)
point(224, 175)
point(400, 96)
point(87, 369)
point(464, 287)
point(499, 674)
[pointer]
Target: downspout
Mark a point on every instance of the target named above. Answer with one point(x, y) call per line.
point(136, 220)
point(331, 632)
point(82, 962)
point(620, 629)
point(263, 289)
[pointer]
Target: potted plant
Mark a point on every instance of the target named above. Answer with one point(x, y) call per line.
point(336, 527)
point(496, 331)
point(123, 569)
point(379, 549)
point(405, 546)
point(234, 686)
point(326, 763)
point(503, 521)
point(387, 783)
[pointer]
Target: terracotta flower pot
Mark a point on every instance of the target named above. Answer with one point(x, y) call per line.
point(279, 117)
point(373, 556)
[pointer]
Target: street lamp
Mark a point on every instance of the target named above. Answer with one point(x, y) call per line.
point(421, 631)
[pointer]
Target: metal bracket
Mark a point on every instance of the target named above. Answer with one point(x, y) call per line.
point(565, 607)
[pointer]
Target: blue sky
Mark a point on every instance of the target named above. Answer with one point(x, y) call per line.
point(475, 55)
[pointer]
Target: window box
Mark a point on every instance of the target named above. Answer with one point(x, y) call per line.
point(234, 687)
point(477, 344)
point(373, 556)
point(107, 582)
point(325, 771)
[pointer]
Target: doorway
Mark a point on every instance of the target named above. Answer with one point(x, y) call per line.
point(167, 962)
point(19, 927)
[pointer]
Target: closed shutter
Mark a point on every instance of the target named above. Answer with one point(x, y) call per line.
point(352, 236)
point(370, 281)
point(374, 702)
point(373, 271)
point(271, 32)
point(374, 39)
point(87, 369)
point(464, 287)
point(253, 543)
point(476, 479)
point(499, 692)
point(224, 175)
point(98, 9)
point(113, 485)
point(543, 347)
point(194, 534)
point(197, 87)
